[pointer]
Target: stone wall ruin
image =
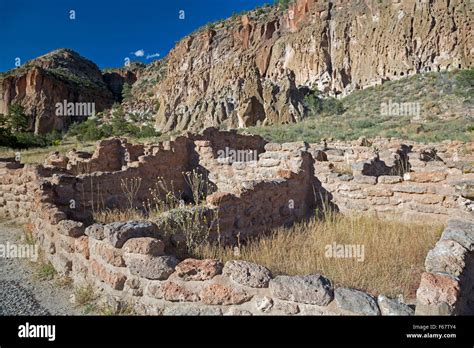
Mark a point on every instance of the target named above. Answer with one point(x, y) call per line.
point(129, 261)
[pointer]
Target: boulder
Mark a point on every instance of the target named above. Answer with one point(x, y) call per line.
point(95, 231)
point(461, 231)
point(437, 294)
point(71, 228)
point(177, 293)
point(447, 257)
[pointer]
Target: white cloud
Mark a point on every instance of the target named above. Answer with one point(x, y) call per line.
point(154, 55)
point(139, 53)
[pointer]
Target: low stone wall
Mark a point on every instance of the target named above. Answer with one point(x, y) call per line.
point(20, 190)
point(411, 185)
point(447, 286)
point(255, 196)
point(132, 263)
point(127, 263)
point(108, 189)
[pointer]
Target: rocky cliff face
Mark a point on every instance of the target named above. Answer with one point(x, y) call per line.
point(116, 78)
point(255, 69)
point(50, 79)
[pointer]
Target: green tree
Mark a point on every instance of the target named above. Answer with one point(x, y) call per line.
point(17, 121)
point(5, 134)
point(314, 103)
point(318, 105)
point(118, 121)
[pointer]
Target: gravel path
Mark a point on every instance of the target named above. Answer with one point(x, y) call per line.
point(17, 300)
point(21, 293)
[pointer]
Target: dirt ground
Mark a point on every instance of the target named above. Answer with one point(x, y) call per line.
point(22, 290)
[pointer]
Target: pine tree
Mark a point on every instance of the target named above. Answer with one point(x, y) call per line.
point(118, 121)
point(17, 121)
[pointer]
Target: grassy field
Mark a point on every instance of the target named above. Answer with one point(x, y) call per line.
point(393, 254)
point(446, 104)
point(37, 155)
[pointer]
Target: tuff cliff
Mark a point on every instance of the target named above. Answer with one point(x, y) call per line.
point(256, 68)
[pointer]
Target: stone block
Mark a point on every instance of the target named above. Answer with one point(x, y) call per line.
point(310, 289)
point(217, 294)
point(198, 270)
point(247, 273)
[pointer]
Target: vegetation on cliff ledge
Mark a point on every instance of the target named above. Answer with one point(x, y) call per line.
point(445, 101)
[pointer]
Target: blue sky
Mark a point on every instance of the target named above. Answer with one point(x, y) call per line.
point(104, 31)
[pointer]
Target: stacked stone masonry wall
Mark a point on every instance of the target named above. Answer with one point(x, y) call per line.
point(129, 262)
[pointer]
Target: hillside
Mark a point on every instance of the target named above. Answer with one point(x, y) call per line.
point(445, 101)
point(255, 68)
point(52, 78)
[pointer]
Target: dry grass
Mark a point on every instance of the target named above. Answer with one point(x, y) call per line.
point(108, 216)
point(84, 295)
point(394, 252)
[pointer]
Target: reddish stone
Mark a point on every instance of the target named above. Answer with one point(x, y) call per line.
point(192, 269)
point(218, 197)
point(177, 293)
point(108, 253)
point(216, 294)
point(425, 177)
point(114, 279)
point(436, 289)
point(81, 245)
point(285, 174)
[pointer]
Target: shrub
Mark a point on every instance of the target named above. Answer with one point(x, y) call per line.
point(127, 92)
point(465, 85)
point(362, 124)
point(314, 103)
point(327, 106)
point(84, 295)
point(25, 140)
point(45, 272)
point(147, 132)
point(88, 130)
point(332, 106)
